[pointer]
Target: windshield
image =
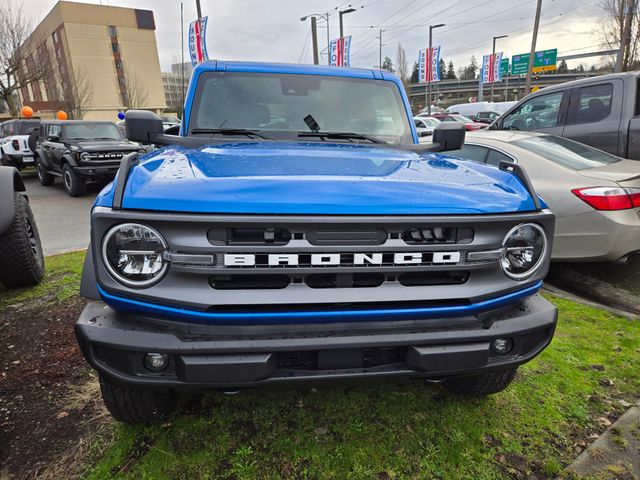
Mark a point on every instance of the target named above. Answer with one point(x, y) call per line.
point(431, 122)
point(567, 152)
point(283, 105)
point(92, 131)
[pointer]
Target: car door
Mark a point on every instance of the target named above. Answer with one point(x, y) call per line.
point(51, 145)
point(541, 113)
point(594, 115)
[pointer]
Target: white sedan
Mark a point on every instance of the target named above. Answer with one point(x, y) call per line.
point(595, 195)
point(425, 126)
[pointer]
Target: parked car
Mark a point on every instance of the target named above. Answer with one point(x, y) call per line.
point(80, 152)
point(425, 125)
point(14, 142)
point(595, 195)
point(21, 258)
point(469, 124)
point(317, 244)
point(485, 117)
point(471, 109)
point(169, 121)
point(601, 111)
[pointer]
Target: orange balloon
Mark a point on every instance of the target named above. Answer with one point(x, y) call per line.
point(27, 112)
point(61, 115)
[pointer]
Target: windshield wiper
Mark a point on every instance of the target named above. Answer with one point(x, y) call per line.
point(232, 131)
point(341, 135)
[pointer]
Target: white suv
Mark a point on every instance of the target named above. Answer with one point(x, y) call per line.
point(14, 142)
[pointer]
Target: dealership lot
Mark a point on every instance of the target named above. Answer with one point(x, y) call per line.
point(63, 222)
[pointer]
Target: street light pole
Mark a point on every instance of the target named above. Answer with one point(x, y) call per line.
point(532, 52)
point(380, 54)
point(493, 60)
point(325, 17)
point(340, 14)
point(430, 67)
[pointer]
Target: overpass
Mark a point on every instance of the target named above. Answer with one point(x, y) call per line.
point(449, 92)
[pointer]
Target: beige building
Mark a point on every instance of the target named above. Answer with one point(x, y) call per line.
point(174, 89)
point(108, 55)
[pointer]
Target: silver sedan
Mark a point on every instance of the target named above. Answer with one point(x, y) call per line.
point(595, 195)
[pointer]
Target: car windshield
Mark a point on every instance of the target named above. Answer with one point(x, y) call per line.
point(92, 131)
point(284, 105)
point(431, 122)
point(27, 126)
point(567, 152)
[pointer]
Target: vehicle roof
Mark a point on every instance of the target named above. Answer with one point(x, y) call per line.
point(506, 136)
point(25, 120)
point(587, 80)
point(294, 68)
point(72, 122)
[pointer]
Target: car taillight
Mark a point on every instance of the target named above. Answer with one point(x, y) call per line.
point(609, 198)
point(15, 144)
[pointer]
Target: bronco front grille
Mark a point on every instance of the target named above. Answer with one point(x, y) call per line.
point(106, 156)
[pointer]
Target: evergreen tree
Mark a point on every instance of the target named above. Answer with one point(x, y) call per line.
point(387, 64)
point(562, 67)
point(414, 73)
point(451, 72)
point(442, 65)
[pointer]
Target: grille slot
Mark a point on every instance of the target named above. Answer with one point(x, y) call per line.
point(375, 357)
point(249, 282)
point(336, 237)
point(422, 279)
point(249, 236)
point(297, 360)
point(437, 235)
point(345, 280)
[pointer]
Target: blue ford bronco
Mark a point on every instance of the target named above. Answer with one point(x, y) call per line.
point(295, 232)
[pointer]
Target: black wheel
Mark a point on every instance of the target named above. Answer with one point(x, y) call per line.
point(45, 177)
point(5, 160)
point(73, 184)
point(21, 259)
point(130, 405)
point(33, 140)
point(480, 385)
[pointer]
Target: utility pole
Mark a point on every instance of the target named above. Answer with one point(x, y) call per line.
point(532, 52)
point(314, 40)
point(430, 66)
point(625, 37)
point(380, 54)
point(493, 61)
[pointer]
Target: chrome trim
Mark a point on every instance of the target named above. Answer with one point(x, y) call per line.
point(485, 255)
point(189, 258)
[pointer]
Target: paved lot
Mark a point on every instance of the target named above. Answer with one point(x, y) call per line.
point(63, 221)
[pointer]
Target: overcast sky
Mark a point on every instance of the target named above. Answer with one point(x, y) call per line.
point(271, 30)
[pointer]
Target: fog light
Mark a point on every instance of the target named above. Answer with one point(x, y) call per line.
point(502, 346)
point(156, 362)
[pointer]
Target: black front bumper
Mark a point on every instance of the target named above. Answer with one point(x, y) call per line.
point(97, 171)
point(232, 357)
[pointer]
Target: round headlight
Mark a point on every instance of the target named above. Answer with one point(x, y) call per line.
point(133, 254)
point(525, 248)
point(85, 156)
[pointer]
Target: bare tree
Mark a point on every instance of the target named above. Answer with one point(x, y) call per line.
point(18, 67)
point(75, 93)
point(612, 31)
point(402, 68)
point(137, 92)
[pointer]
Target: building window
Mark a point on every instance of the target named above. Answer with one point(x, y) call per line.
point(114, 47)
point(112, 31)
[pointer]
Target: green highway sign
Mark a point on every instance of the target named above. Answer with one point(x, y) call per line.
point(544, 61)
point(504, 67)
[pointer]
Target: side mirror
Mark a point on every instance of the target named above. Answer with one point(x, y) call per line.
point(141, 124)
point(450, 135)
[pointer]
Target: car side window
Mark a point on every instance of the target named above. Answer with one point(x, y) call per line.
point(540, 112)
point(594, 103)
point(495, 157)
point(53, 130)
point(471, 152)
point(419, 123)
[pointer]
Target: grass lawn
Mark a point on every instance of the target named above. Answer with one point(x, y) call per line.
point(536, 427)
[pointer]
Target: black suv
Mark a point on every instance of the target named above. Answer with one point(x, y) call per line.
point(80, 152)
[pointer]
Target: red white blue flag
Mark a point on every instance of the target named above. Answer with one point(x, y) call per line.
point(429, 65)
point(490, 71)
point(197, 41)
point(339, 52)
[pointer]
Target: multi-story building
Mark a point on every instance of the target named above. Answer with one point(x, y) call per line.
point(173, 81)
point(105, 57)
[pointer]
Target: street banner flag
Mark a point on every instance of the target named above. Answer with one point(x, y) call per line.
point(197, 41)
point(429, 65)
point(491, 68)
point(340, 52)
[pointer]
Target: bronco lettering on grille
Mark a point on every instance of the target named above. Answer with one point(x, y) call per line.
point(339, 259)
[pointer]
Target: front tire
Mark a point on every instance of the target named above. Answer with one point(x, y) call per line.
point(73, 184)
point(21, 258)
point(45, 178)
point(481, 385)
point(130, 405)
